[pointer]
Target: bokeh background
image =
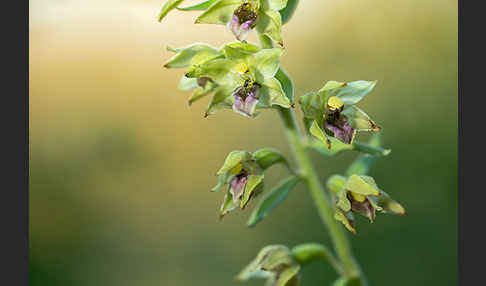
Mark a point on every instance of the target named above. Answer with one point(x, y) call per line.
point(121, 167)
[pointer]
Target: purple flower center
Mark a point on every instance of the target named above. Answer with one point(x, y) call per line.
point(246, 99)
point(339, 125)
point(238, 185)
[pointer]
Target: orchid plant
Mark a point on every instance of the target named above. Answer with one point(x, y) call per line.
point(247, 78)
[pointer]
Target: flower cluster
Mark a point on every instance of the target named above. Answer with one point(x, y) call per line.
point(241, 76)
point(331, 112)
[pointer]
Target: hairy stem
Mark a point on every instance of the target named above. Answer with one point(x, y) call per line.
point(324, 207)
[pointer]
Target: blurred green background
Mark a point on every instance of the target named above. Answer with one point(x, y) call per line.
point(121, 167)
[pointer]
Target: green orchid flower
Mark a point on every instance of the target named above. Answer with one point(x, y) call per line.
point(274, 263)
point(360, 194)
point(240, 16)
point(241, 76)
point(331, 112)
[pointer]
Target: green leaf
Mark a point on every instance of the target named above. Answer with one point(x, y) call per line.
point(167, 7)
point(308, 252)
point(363, 185)
point(268, 157)
point(220, 12)
point(359, 120)
point(272, 200)
point(274, 4)
point(265, 63)
point(287, 85)
point(192, 55)
point(342, 281)
point(198, 7)
point(269, 24)
point(363, 163)
point(251, 188)
point(336, 183)
point(272, 93)
point(370, 149)
point(288, 11)
point(233, 159)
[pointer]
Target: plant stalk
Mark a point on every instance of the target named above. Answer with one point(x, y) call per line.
point(322, 202)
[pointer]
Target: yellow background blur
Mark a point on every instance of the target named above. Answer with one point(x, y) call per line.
point(121, 167)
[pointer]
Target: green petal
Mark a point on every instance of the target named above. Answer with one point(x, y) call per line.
point(355, 91)
point(274, 4)
point(272, 200)
point(251, 188)
point(363, 185)
point(343, 202)
point(234, 158)
point(167, 7)
point(317, 132)
point(359, 120)
point(265, 63)
point(269, 23)
point(228, 204)
point(272, 93)
point(192, 55)
point(312, 105)
point(220, 12)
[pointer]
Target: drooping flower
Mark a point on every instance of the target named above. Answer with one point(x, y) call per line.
point(331, 112)
point(274, 263)
point(360, 194)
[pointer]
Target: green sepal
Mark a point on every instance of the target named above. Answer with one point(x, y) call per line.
point(349, 92)
point(167, 7)
point(268, 157)
point(265, 63)
point(343, 202)
point(222, 180)
point(275, 5)
point(389, 205)
point(288, 87)
point(253, 186)
point(347, 219)
point(271, 93)
point(288, 276)
point(186, 84)
point(287, 13)
point(220, 12)
point(192, 55)
point(359, 120)
point(272, 200)
point(221, 99)
point(198, 7)
point(360, 184)
point(312, 105)
point(200, 93)
point(219, 70)
point(269, 24)
point(233, 159)
point(309, 252)
point(228, 204)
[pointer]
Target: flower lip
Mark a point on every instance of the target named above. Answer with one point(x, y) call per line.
point(245, 14)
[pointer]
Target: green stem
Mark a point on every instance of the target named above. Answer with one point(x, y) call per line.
point(324, 207)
